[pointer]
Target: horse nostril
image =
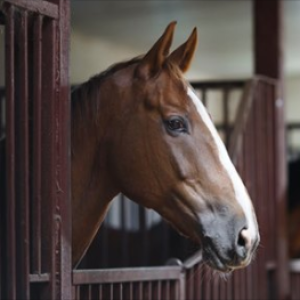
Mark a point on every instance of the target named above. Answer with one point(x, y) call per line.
point(241, 241)
point(244, 240)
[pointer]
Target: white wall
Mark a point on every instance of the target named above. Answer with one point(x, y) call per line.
point(292, 108)
point(292, 95)
point(91, 55)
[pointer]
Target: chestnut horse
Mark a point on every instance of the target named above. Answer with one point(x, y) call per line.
point(140, 129)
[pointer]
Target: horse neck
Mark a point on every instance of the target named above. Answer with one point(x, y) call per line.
point(92, 188)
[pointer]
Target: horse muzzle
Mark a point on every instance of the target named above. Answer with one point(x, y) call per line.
point(228, 244)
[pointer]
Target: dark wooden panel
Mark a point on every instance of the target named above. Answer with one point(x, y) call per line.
point(22, 158)
point(10, 251)
point(268, 42)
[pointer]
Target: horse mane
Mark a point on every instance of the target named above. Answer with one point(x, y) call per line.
point(91, 87)
point(85, 97)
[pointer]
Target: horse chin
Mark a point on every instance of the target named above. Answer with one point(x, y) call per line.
point(215, 260)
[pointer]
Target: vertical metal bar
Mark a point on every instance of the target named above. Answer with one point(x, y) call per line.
point(207, 283)
point(190, 284)
point(111, 291)
point(140, 290)
point(174, 289)
point(158, 289)
point(248, 282)
point(63, 152)
point(222, 290)
point(149, 290)
point(215, 288)
point(89, 292)
point(167, 289)
point(48, 153)
point(249, 177)
point(246, 164)
point(297, 284)
point(267, 212)
point(73, 292)
point(280, 193)
point(244, 279)
point(163, 290)
point(10, 155)
point(182, 292)
point(100, 292)
point(271, 178)
point(243, 273)
point(253, 128)
point(77, 294)
point(230, 294)
point(258, 174)
point(120, 296)
point(37, 142)
point(198, 280)
point(293, 289)
point(130, 290)
point(22, 188)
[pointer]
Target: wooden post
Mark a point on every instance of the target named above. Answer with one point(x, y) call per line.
point(268, 61)
point(268, 52)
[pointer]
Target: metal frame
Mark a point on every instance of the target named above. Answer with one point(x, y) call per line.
point(36, 259)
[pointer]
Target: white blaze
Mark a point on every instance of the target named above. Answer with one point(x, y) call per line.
point(239, 188)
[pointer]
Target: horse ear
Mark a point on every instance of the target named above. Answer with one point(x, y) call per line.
point(183, 55)
point(156, 56)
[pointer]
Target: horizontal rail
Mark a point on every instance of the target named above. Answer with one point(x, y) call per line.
point(193, 260)
point(126, 275)
point(217, 84)
point(135, 274)
point(41, 7)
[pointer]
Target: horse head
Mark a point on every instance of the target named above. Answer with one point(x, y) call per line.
point(166, 154)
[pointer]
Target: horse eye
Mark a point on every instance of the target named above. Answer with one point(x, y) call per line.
point(176, 125)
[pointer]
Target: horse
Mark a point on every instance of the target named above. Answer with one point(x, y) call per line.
point(139, 128)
